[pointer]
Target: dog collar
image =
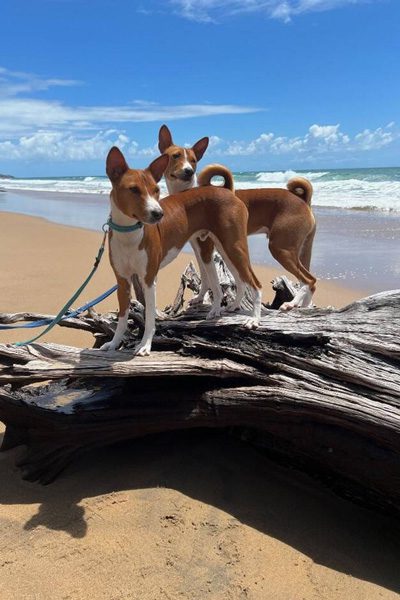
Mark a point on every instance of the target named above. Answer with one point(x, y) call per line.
point(124, 228)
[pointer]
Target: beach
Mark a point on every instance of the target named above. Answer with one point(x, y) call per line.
point(43, 264)
point(177, 516)
point(284, 481)
point(188, 517)
point(357, 213)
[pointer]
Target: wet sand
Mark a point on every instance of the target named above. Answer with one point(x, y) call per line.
point(190, 516)
point(356, 248)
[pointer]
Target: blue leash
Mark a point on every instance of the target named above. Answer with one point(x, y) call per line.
point(66, 307)
point(64, 312)
point(68, 315)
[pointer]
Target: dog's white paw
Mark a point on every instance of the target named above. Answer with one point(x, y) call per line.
point(196, 300)
point(233, 306)
point(251, 323)
point(108, 346)
point(143, 349)
point(306, 302)
point(286, 306)
point(214, 313)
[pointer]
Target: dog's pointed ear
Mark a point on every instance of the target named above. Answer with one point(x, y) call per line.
point(164, 139)
point(116, 164)
point(158, 166)
point(200, 147)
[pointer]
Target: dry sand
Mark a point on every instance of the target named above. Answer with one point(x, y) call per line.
point(189, 516)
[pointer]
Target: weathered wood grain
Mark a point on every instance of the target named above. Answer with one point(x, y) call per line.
point(318, 387)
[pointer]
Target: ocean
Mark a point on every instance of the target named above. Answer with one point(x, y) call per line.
point(357, 212)
point(357, 189)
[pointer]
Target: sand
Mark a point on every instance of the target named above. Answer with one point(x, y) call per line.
point(190, 516)
point(42, 264)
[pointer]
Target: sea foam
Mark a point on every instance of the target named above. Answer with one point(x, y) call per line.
point(284, 176)
point(367, 189)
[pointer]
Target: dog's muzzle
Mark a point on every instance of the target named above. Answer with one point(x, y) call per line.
point(156, 215)
point(185, 175)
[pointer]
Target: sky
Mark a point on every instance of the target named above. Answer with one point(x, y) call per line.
point(275, 84)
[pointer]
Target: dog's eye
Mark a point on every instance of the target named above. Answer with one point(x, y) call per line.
point(156, 190)
point(177, 155)
point(135, 190)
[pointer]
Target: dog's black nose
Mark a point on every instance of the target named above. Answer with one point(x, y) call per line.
point(157, 214)
point(189, 172)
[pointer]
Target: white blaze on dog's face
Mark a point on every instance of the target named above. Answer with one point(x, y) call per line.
point(135, 192)
point(182, 161)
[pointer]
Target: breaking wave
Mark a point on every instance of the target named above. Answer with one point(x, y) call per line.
point(362, 189)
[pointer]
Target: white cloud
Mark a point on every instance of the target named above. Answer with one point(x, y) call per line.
point(215, 10)
point(58, 146)
point(319, 140)
point(373, 140)
point(21, 115)
point(32, 128)
point(13, 83)
point(214, 141)
point(324, 131)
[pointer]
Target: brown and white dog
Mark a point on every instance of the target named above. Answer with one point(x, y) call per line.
point(285, 216)
point(148, 233)
point(180, 173)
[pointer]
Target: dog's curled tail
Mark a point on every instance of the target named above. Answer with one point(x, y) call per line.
point(301, 187)
point(204, 178)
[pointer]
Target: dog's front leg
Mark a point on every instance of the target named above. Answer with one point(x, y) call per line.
point(143, 349)
point(124, 299)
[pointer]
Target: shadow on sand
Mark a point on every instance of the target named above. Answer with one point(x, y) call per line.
point(223, 472)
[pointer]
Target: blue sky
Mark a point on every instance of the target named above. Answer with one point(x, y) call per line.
point(275, 84)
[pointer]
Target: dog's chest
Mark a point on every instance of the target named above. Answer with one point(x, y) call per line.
point(126, 257)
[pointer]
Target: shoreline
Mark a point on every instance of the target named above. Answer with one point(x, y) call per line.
point(356, 248)
point(40, 275)
point(75, 195)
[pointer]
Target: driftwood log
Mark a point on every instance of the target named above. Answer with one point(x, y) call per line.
point(319, 388)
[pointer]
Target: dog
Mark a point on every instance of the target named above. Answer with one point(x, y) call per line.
point(147, 233)
point(285, 216)
point(180, 173)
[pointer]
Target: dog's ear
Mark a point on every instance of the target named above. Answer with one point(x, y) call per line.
point(200, 147)
point(164, 139)
point(158, 166)
point(116, 164)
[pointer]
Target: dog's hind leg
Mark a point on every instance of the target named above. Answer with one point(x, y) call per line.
point(204, 250)
point(289, 261)
point(216, 309)
point(237, 259)
point(306, 251)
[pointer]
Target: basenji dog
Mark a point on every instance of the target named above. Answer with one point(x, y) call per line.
point(180, 173)
point(284, 215)
point(147, 233)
